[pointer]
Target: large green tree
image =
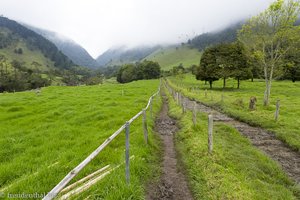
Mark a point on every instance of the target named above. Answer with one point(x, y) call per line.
point(209, 70)
point(270, 35)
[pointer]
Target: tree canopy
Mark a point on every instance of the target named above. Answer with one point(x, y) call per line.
point(270, 35)
point(143, 70)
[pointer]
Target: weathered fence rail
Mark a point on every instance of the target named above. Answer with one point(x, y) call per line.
point(63, 183)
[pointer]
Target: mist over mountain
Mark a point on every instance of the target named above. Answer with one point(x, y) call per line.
point(123, 54)
point(228, 34)
point(69, 47)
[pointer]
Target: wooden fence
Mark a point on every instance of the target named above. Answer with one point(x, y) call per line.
point(55, 191)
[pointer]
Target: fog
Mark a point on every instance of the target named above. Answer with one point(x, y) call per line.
point(100, 24)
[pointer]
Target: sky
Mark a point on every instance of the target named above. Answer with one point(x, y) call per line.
point(98, 25)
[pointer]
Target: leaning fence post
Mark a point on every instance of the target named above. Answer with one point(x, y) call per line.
point(195, 114)
point(127, 172)
point(210, 133)
point(277, 110)
point(145, 126)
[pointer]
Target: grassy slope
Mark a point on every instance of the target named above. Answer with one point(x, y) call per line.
point(235, 170)
point(43, 137)
point(27, 56)
point(170, 57)
point(236, 104)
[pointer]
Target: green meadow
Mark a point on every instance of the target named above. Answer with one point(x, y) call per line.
point(172, 57)
point(235, 169)
point(43, 137)
point(236, 103)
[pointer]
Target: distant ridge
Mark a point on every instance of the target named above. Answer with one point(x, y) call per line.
point(69, 47)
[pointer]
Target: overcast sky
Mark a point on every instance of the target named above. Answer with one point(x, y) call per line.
point(100, 24)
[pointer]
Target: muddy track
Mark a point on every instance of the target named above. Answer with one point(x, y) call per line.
point(172, 184)
point(260, 138)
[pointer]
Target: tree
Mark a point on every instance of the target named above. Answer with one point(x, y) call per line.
point(144, 70)
point(126, 73)
point(149, 69)
point(270, 35)
point(240, 63)
point(209, 70)
point(291, 64)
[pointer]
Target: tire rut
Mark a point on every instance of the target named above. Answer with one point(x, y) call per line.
point(260, 138)
point(172, 184)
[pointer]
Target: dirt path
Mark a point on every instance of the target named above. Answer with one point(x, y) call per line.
point(262, 139)
point(173, 184)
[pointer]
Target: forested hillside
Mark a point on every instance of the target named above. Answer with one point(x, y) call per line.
point(68, 47)
point(33, 42)
point(228, 35)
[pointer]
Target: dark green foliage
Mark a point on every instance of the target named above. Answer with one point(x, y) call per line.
point(34, 41)
point(224, 61)
point(292, 66)
point(234, 62)
point(20, 78)
point(144, 70)
point(209, 70)
point(127, 73)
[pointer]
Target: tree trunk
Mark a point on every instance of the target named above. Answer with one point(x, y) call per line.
point(238, 80)
point(210, 84)
point(205, 83)
point(224, 82)
point(267, 92)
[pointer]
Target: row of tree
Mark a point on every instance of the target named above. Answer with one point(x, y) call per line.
point(138, 71)
point(224, 61)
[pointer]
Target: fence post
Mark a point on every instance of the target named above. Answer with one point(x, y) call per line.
point(277, 110)
point(183, 106)
point(195, 114)
point(151, 107)
point(177, 95)
point(127, 172)
point(145, 126)
point(210, 133)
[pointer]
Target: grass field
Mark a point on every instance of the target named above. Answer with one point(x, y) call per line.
point(235, 170)
point(171, 57)
point(43, 137)
point(236, 103)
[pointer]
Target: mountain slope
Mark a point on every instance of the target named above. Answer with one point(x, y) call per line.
point(228, 34)
point(122, 55)
point(172, 56)
point(20, 43)
point(67, 46)
point(31, 58)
